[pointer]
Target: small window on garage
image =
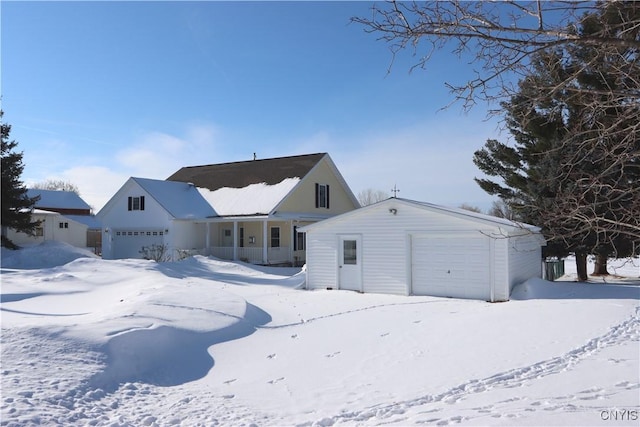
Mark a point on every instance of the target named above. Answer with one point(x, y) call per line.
point(63, 225)
point(39, 231)
point(350, 252)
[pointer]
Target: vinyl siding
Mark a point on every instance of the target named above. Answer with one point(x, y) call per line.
point(500, 270)
point(303, 198)
point(385, 245)
point(525, 259)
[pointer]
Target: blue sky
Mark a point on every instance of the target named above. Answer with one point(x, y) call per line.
point(96, 92)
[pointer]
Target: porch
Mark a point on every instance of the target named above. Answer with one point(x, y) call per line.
point(256, 241)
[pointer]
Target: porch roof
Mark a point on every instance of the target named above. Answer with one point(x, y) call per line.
point(278, 216)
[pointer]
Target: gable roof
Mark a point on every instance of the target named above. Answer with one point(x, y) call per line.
point(181, 200)
point(254, 199)
point(242, 174)
point(457, 212)
point(56, 199)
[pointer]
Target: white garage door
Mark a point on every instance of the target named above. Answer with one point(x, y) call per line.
point(451, 266)
point(129, 243)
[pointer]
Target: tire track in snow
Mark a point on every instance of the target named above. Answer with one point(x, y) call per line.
point(628, 330)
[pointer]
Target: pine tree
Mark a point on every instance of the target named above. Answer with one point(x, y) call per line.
point(16, 205)
point(582, 185)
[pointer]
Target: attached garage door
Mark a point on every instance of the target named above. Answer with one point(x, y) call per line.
point(451, 266)
point(128, 243)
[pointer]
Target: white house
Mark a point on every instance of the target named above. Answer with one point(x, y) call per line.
point(249, 210)
point(53, 226)
point(147, 212)
point(63, 216)
point(406, 247)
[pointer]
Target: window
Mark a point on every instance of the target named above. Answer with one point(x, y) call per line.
point(135, 203)
point(227, 232)
point(63, 225)
point(39, 231)
point(322, 196)
point(349, 252)
point(275, 237)
point(241, 237)
point(300, 241)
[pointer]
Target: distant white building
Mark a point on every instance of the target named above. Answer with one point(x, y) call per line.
point(63, 217)
point(406, 247)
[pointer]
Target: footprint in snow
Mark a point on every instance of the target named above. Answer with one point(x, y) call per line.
point(271, 356)
point(230, 381)
point(332, 354)
point(385, 334)
point(294, 336)
point(277, 380)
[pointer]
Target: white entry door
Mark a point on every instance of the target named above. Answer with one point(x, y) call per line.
point(350, 263)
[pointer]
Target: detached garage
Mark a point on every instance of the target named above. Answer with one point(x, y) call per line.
point(405, 247)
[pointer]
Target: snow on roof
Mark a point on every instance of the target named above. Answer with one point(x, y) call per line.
point(254, 199)
point(475, 215)
point(57, 199)
point(181, 200)
point(39, 212)
point(89, 220)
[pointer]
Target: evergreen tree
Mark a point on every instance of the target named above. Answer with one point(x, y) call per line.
point(16, 205)
point(582, 185)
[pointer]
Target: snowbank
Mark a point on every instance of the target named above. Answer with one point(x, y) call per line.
point(208, 342)
point(44, 255)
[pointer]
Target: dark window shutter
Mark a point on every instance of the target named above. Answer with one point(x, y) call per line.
point(129, 203)
point(295, 238)
point(317, 195)
point(141, 203)
point(327, 196)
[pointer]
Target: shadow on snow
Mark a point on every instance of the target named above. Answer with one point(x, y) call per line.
point(168, 356)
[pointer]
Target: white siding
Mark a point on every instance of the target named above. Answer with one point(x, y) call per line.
point(500, 269)
point(188, 235)
point(323, 249)
point(71, 232)
point(385, 245)
point(119, 218)
point(525, 259)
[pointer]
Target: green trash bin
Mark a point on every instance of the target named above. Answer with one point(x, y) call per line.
point(553, 269)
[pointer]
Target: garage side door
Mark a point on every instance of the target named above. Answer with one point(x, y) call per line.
point(451, 266)
point(127, 244)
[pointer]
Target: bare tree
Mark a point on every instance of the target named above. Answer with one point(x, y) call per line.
point(593, 53)
point(371, 196)
point(57, 185)
point(500, 36)
point(502, 210)
point(470, 208)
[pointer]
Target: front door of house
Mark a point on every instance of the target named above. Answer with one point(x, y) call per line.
point(350, 263)
point(227, 238)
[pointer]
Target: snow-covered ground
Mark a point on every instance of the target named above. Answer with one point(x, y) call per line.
point(203, 342)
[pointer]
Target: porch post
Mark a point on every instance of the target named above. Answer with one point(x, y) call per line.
point(265, 242)
point(207, 239)
point(235, 240)
point(291, 243)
